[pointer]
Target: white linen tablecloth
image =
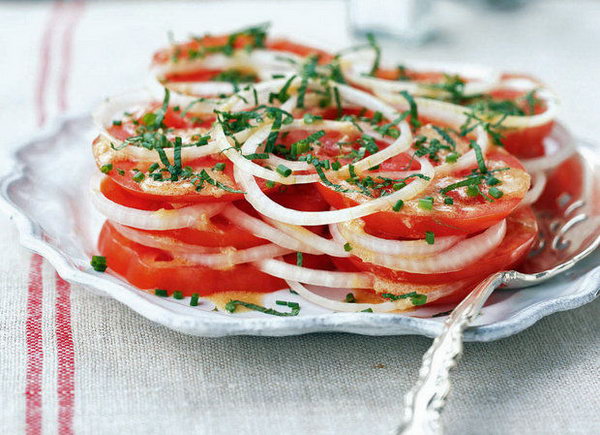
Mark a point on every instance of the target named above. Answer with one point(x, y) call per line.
point(74, 362)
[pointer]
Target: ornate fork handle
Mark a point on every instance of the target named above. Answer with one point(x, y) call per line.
point(423, 404)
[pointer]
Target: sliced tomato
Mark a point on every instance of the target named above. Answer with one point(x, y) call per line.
point(221, 232)
point(411, 75)
point(183, 50)
point(287, 46)
point(150, 268)
point(521, 232)
point(525, 142)
point(466, 215)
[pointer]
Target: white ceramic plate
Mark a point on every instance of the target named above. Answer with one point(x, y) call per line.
point(45, 193)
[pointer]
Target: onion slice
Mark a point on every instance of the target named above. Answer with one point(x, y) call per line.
point(326, 278)
point(273, 210)
point(162, 219)
point(265, 231)
point(479, 79)
point(559, 146)
point(434, 293)
point(539, 182)
point(353, 232)
point(232, 256)
point(326, 246)
point(457, 257)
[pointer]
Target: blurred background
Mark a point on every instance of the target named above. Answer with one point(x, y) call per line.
point(112, 41)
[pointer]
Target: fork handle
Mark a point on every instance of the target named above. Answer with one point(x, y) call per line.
point(423, 404)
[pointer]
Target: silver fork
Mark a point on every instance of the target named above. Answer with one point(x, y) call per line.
point(569, 231)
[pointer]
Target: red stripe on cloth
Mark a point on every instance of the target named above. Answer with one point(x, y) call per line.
point(76, 10)
point(33, 323)
point(64, 334)
point(65, 357)
point(42, 80)
point(35, 353)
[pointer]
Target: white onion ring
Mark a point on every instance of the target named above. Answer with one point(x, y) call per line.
point(534, 193)
point(450, 114)
point(265, 231)
point(160, 241)
point(383, 307)
point(114, 108)
point(326, 278)
point(560, 145)
point(455, 258)
point(162, 219)
point(479, 78)
point(353, 232)
point(511, 122)
point(326, 246)
point(271, 209)
point(353, 96)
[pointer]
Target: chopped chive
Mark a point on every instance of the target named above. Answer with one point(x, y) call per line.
point(257, 156)
point(492, 181)
point(495, 192)
point(269, 184)
point(105, 169)
point(350, 298)
point(473, 190)
point(399, 204)
point(398, 186)
point(138, 177)
point(283, 170)
point(309, 118)
point(373, 44)
point(347, 247)
point(220, 166)
point(419, 299)
point(153, 167)
point(98, 263)
point(415, 298)
point(299, 259)
point(336, 165)
point(161, 292)
point(177, 294)
point(232, 305)
point(479, 156)
point(368, 310)
point(426, 203)
point(413, 110)
point(338, 102)
point(117, 123)
point(452, 157)
point(120, 171)
point(194, 299)
point(429, 237)
point(448, 200)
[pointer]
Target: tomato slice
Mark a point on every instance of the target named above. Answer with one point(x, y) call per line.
point(467, 214)
point(150, 268)
point(521, 232)
point(287, 46)
point(219, 233)
point(401, 73)
point(123, 173)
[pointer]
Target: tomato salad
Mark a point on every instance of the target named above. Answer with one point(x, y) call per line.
point(263, 164)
